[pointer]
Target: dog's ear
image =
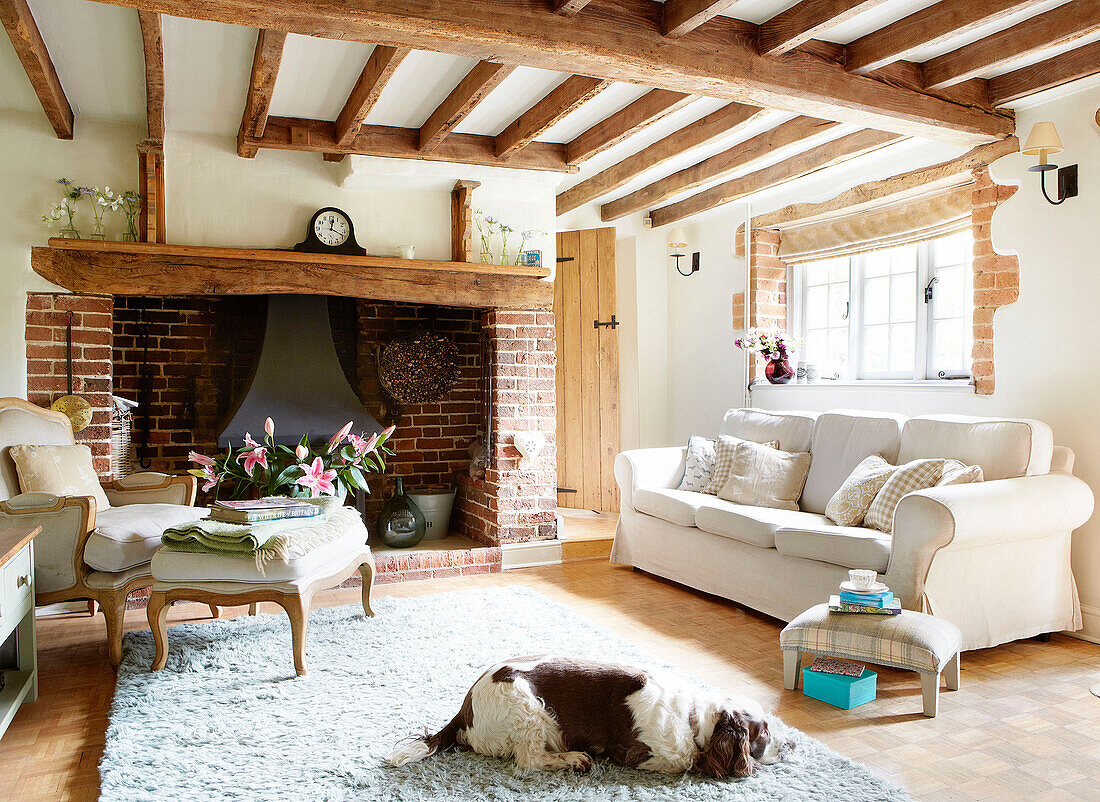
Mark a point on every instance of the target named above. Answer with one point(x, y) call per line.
point(727, 752)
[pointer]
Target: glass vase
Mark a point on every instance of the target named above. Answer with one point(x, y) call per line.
point(97, 231)
point(401, 523)
point(778, 371)
point(130, 234)
point(69, 232)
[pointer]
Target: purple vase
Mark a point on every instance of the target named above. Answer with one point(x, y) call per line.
point(778, 371)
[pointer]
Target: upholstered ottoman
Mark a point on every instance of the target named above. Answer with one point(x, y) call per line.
point(911, 641)
point(217, 579)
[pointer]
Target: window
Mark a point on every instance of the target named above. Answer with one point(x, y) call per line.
point(897, 313)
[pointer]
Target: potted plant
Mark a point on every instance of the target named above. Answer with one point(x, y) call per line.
point(775, 346)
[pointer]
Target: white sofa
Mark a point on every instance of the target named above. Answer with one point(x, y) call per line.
point(991, 557)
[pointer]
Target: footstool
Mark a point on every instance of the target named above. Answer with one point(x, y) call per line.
point(911, 641)
point(231, 580)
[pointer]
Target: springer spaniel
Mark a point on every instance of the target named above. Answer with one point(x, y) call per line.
point(558, 712)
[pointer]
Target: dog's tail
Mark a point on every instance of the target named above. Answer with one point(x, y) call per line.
point(419, 747)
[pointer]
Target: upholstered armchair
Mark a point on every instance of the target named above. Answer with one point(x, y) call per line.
point(84, 553)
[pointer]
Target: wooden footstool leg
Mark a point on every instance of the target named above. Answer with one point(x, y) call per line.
point(252, 608)
point(930, 691)
point(158, 625)
point(367, 571)
point(214, 611)
point(792, 660)
point(297, 609)
point(951, 673)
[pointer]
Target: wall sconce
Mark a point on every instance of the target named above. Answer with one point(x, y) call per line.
point(1043, 141)
point(676, 244)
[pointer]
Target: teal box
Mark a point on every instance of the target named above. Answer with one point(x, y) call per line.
point(840, 691)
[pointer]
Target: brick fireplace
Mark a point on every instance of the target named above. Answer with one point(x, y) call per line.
point(186, 358)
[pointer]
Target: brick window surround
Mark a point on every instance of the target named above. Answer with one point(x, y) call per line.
point(996, 280)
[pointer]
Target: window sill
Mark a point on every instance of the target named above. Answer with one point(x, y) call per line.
point(902, 385)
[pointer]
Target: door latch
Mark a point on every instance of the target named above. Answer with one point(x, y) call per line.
point(613, 323)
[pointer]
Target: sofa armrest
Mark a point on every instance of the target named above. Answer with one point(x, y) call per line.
point(66, 523)
point(648, 467)
point(150, 487)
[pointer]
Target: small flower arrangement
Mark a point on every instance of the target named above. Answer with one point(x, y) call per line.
point(772, 344)
point(488, 226)
point(102, 201)
point(342, 464)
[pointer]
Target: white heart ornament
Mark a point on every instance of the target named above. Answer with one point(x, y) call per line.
point(528, 444)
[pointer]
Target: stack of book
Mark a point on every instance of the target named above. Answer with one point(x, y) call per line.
point(264, 509)
point(876, 601)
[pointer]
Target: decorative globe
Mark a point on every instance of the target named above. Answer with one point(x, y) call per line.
point(76, 409)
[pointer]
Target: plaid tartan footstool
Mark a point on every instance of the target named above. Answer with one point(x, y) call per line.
point(911, 641)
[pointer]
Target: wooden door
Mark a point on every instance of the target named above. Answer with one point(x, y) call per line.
point(588, 369)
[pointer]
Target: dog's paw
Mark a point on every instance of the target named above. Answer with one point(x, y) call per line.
point(578, 761)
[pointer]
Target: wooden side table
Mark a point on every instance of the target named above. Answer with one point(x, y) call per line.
point(17, 642)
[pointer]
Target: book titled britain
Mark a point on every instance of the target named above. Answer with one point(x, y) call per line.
point(837, 606)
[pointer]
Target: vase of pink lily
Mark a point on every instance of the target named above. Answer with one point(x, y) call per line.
point(775, 346)
point(270, 469)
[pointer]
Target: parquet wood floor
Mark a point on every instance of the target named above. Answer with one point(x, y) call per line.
point(1022, 726)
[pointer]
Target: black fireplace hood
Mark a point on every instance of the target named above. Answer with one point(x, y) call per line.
point(298, 381)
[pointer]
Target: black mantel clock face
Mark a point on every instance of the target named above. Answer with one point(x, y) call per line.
point(331, 231)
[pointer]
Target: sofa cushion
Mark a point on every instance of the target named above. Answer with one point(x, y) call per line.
point(698, 463)
point(958, 473)
point(847, 546)
point(766, 477)
point(793, 430)
point(674, 506)
point(753, 525)
point(1004, 448)
point(58, 470)
point(724, 453)
point(908, 478)
point(842, 439)
point(127, 536)
point(849, 505)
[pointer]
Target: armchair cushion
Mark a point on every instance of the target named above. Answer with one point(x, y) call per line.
point(128, 536)
point(58, 470)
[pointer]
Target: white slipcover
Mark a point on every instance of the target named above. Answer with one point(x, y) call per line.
point(128, 536)
point(793, 430)
point(1004, 447)
point(849, 546)
point(755, 525)
point(842, 440)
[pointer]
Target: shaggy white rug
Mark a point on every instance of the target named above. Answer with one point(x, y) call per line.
point(228, 720)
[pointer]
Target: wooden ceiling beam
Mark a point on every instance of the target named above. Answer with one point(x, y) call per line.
point(716, 124)
point(1079, 63)
point(569, 8)
point(154, 73)
point(265, 69)
point(319, 136)
point(27, 40)
point(471, 90)
point(804, 21)
point(1054, 28)
point(930, 26)
point(643, 112)
point(741, 156)
point(573, 93)
point(620, 41)
point(827, 155)
point(380, 67)
point(683, 16)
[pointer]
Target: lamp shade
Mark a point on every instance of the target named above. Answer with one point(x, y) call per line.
point(676, 238)
point(1042, 140)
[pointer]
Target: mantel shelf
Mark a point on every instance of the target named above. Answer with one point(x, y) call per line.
point(125, 268)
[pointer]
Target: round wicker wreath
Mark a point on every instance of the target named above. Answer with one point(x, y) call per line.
point(418, 368)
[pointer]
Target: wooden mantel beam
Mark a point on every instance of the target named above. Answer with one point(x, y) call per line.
point(265, 69)
point(566, 98)
point(569, 8)
point(27, 40)
point(380, 67)
point(471, 90)
point(154, 73)
point(802, 22)
point(618, 40)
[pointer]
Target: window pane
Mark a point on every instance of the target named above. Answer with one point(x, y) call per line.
point(952, 343)
point(817, 307)
point(876, 301)
point(838, 304)
point(949, 293)
point(876, 263)
point(814, 349)
point(902, 347)
point(838, 352)
point(876, 343)
point(903, 259)
point(816, 272)
point(838, 270)
point(903, 298)
point(951, 250)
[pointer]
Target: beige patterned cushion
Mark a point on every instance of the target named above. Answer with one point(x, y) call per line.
point(723, 461)
point(762, 476)
point(58, 470)
point(959, 473)
point(915, 475)
point(850, 502)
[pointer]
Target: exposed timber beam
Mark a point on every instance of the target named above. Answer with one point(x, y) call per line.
point(721, 165)
point(319, 136)
point(890, 189)
point(154, 73)
point(684, 16)
point(27, 40)
point(930, 26)
point(265, 69)
point(380, 67)
point(802, 22)
point(1054, 28)
point(573, 93)
point(646, 110)
point(462, 221)
point(1079, 63)
point(569, 8)
point(620, 41)
point(714, 125)
point(471, 90)
point(827, 155)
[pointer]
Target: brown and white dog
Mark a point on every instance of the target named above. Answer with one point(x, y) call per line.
point(558, 712)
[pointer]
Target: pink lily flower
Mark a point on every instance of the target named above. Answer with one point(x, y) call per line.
point(360, 445)
point(248, 441)
point(339, 437)
point(301, 452)
point(201, 459)
point(269, 427)
point(317, 479)
point(257, 456)
point(212, 478)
